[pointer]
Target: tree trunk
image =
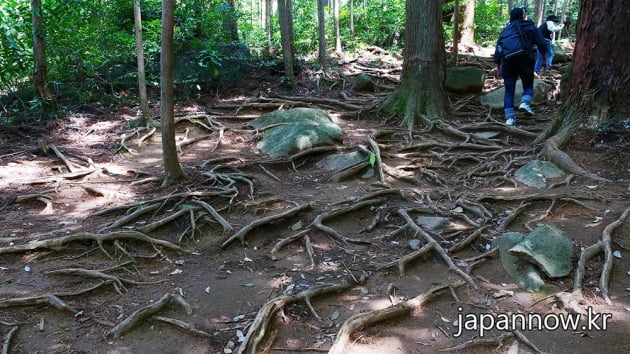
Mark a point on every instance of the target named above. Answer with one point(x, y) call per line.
point(538, 12)
point(598, 85)
point(321, 31)
point(285, 36)
point(172, 169)
point(142, 87)
point(268, 15)
point(40, 71)
point(420, 97)
point(230, 21)
point(468, 27)
point(456, 33)
point(351, 4)
point(337, 29)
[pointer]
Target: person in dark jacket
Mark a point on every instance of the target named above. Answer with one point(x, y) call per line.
point(547, 29)
point(520, 66)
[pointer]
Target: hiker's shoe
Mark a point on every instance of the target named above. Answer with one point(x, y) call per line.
point(510, 121)
point(525, 108)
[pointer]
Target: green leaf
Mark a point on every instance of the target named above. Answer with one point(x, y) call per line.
point(372, 159)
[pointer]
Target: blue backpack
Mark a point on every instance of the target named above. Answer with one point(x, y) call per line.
point(513, 42)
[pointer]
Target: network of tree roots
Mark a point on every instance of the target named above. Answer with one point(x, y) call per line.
point(446, 170)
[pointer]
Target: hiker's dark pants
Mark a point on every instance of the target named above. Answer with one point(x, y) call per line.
point(522, 67)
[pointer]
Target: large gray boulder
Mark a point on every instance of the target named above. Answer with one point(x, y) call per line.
point(465, 79)
point(298, 129)
point(494, 99)
point(364, 83)
point(547, 247)
point(535, 173)
point(523, 272)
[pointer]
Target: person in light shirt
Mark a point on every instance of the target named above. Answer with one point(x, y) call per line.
point(547, 29)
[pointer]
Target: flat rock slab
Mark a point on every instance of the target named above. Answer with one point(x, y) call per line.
point(494, 99)
point(523, 272)
point(433, 222)
point(535, 173)
point(298, 129)
point(547, 247)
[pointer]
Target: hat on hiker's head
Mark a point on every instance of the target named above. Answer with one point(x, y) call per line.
point(517, 14)
point(552, 18)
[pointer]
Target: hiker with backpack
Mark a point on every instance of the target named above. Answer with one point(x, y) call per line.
point(547, 29)
point(515, 56)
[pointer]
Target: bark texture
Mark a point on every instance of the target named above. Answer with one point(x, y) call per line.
point(172, 168)
point(420, 97)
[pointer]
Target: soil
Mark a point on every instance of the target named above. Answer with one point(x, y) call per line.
point(226, 287)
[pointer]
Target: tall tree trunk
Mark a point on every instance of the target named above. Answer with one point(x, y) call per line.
point(337, 29)
point(598, 90)
point(268, 15)
point(142, 86)
point(539, 7)
point(172, 169)
point(40, 71)
point(510, 4)
point(285, 36)
point(321, 31)
point(230, 21)
point(456, 33)
point(289, 22)
point(420, 97)
point(468, 27)
point(351, 4)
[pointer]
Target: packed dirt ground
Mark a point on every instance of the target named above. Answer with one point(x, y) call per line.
point(97, 256)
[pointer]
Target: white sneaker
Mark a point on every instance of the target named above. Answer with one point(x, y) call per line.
point(525, 108)
point(510, 121)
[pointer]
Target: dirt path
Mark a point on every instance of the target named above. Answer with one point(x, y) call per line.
point(223, 288)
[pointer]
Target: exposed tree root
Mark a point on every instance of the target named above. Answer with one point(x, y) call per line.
point(49, 299)
point(259, 328)
point(468, 240)
point(71, 175)
point(438, 248)
point(184, 326)
point(511, 217)
point(60, 242)
point(116, 281)
point(318, 223)
point(573, 300)
point(368, 318)
point(561, 159)
point(533, 196)
point(287, 240)
point(403, 261)
point(496, 341)
point(144, 312)
point(242, 233)
point(379, 161)
point(6, 345)
point(348, 172)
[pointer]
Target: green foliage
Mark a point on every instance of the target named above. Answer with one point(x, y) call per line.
point(489, 21)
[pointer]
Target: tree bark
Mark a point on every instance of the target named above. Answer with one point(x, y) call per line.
point(230, 21)
point(468, 27)
point(285, 36)
point(538, 12)
point(40, 71)
point(420, 97)
point(142, 87)
point(268, 15)
point(172, 169)
point(351, 4)
point(321, 31)
point(337, 28)
point(598, 83)
point(456, 33)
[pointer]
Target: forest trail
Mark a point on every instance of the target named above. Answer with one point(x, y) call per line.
point(186, 289)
